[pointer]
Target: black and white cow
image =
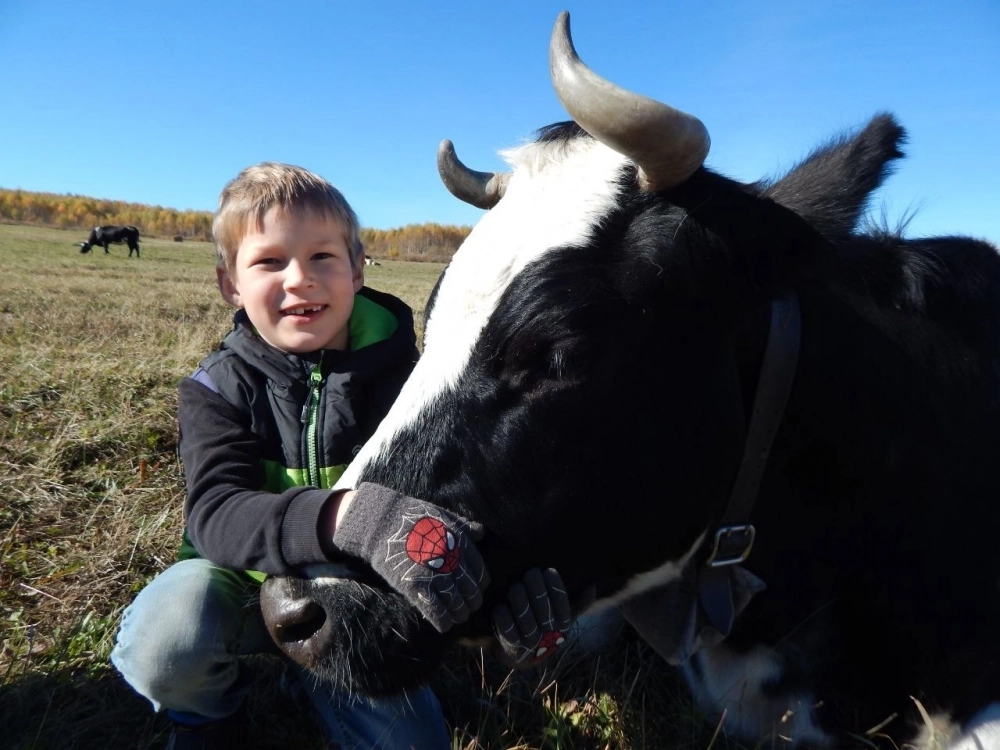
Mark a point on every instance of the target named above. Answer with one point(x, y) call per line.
point(103, 236)
point(587, 391)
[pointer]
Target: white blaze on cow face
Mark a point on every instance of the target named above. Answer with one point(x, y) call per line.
point(557, 194)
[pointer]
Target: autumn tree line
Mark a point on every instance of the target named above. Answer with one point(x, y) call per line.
point(427, 242)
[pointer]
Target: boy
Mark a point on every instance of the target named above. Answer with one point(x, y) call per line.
point(268, 423)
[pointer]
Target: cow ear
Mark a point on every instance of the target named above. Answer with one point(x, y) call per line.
point(831, 188)
point(748, 243)
point(230, 293)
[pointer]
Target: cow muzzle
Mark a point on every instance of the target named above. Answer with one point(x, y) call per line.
point(356, 636)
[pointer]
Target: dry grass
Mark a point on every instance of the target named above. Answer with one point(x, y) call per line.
point(91, 349)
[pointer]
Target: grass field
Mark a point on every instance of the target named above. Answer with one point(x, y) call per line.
point(91, 492)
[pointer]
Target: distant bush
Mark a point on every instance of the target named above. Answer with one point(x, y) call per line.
point(429, 242)
point(56, 211)
point(419, 242)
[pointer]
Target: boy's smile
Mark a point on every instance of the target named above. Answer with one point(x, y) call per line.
point(295, 279)
point(302, 311)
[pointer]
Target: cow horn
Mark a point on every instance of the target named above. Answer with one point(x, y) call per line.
point(481, 189)
point(666, 144)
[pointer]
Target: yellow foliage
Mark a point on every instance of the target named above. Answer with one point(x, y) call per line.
point(84, 213)
point(428, 242)
point(434, 242)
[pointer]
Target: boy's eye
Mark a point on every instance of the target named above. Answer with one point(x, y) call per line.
point(322, 256)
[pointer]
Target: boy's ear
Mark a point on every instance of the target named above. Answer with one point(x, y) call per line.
point(227, 288)
point(359, 272)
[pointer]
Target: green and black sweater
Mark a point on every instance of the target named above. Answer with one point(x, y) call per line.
point(265, 434)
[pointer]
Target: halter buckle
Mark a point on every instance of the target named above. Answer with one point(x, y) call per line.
point(732, 545)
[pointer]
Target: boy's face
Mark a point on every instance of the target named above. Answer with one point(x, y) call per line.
point(296, 281)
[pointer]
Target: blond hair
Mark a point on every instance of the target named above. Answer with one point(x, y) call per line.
point(254, 191)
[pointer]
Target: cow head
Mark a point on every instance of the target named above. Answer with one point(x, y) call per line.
point(578, 392)
point(85, 247)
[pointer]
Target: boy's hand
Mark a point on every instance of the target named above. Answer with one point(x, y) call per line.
point(423, 551)
point(533, 624)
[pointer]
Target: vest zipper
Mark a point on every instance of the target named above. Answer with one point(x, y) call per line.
point(309, 418)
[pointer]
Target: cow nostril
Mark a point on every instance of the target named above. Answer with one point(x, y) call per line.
point(299, 622)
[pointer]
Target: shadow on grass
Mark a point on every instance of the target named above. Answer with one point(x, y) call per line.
point(622, 698)
point(88, 712)
point(76, 711)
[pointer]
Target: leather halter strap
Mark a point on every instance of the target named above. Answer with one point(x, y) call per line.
point(734, 536)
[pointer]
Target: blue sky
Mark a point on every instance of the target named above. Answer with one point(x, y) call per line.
point(162, 103)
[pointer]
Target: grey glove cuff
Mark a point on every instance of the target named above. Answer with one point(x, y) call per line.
point(365, 524)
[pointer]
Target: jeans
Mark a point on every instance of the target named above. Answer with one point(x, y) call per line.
point(179, 645)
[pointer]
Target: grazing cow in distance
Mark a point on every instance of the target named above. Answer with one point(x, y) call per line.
point(371, 262)
point(106, 235)
point(673, 386)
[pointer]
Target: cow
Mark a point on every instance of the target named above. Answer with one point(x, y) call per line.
point(763, 429)
point(106, 235)
point(371, 262)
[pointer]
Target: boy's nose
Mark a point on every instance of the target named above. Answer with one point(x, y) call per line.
point(296, 274)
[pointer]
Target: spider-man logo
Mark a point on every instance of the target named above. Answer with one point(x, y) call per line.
point(551, 640)
point(431, 543)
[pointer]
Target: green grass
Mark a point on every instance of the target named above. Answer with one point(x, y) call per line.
point(91, 492)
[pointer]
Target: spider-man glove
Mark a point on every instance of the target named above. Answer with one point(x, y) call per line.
point(423, 551)
point(532, 625)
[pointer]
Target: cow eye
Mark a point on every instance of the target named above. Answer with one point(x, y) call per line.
point(543, 367)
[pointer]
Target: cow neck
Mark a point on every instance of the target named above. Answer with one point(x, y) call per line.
point(733, 537)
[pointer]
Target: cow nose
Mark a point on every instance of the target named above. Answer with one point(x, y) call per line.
point(296, 621)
